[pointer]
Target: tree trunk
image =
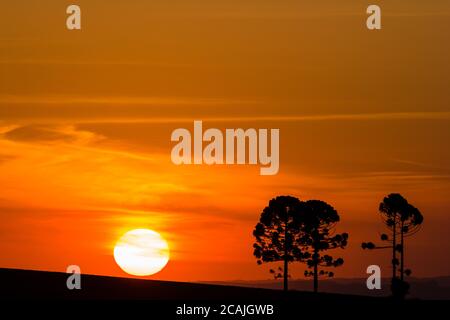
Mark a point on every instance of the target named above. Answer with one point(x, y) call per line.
point(401, 253)
point(394, 266)
point(316, 274)
point(285, 286)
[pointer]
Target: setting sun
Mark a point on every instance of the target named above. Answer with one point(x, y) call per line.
point(141, 252)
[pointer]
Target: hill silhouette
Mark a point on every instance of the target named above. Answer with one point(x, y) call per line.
point(28, 284)
point(34, 292)
point(432, 288)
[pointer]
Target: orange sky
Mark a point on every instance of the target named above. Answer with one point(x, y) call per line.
point(86, 118)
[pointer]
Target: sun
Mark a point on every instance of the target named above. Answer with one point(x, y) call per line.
point(141, 252)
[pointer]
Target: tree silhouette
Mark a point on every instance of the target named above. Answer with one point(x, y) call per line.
point(403, 220)
point(276, 233)
point(318, 221)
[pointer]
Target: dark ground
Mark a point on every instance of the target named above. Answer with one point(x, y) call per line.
point(35, 291)
point(26, 284)
point(431, 288)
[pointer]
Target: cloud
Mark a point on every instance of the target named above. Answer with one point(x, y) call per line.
point(128, 100)
point(73, 109)
point(5, 158)
point(285, 118)
point(37, 134)
point(135, 110)
point(45, 133)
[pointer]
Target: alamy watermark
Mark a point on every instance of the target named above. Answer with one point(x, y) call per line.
point(374, 280)
point(235, 146)
point(74, 280)
point(73, 21)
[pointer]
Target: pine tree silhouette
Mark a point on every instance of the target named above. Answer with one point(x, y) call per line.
point(403, 220)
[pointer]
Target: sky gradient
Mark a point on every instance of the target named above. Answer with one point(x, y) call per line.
point(86, 118)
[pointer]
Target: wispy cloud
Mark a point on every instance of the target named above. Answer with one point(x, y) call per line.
point(148, 109)
point(287, 118)
point(127, 100)
point(75, 62)
point(416, 164)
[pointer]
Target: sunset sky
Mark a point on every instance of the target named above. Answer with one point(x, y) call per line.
point(86, 118)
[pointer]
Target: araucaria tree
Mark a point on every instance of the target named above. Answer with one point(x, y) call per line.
point(402, 220)
point(318, 220)
point(276, 234)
